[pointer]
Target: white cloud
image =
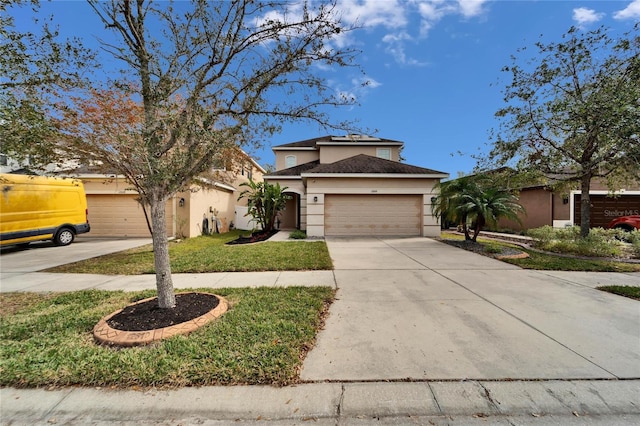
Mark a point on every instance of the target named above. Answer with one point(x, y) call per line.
point(584, 16)
point(374, 13)
point(432, 11)
point(360, 87)
point(632, 11)
point(471, 8)
point(365, 82)
point(395, 46)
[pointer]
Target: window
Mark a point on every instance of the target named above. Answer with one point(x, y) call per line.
point(384, 153)
point(219, 164)
point(289, 161)
point(3, 160)
point(250, 172)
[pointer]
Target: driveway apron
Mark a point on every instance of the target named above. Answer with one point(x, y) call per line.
point(416, 308)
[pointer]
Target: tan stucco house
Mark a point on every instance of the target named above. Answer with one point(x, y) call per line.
point(114, 211)
point(354, 185)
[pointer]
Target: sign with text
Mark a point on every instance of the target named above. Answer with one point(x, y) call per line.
point(605, 208)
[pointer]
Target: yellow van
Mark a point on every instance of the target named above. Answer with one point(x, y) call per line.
point(35, 208)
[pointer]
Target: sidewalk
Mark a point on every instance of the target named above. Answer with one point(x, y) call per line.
point(434, 403)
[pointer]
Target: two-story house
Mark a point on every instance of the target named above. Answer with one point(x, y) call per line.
point(210, 204)
point(354, 185)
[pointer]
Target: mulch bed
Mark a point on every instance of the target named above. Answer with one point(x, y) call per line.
point(255, 237)
point(479, 248)
point(147, 316)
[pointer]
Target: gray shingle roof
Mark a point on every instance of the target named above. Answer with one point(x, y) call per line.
point(296, 170)
point(359, 164)
point(366, 164)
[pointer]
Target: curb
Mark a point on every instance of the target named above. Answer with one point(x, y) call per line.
point(485, 400)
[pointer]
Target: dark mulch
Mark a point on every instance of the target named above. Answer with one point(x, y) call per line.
point(148, 316)
point(480, 248)
point(254, 238)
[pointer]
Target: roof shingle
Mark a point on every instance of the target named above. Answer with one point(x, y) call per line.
point(366, 164)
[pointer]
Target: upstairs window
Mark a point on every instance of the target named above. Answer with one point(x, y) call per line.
point(384, 153)
point(220, 164)
point(289, 161)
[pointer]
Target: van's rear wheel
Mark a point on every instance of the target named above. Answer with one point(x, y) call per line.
point(64, 237)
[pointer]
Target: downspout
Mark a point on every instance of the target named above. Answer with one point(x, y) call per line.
point(174, 224)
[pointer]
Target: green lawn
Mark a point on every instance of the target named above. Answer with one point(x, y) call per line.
point(47, 340)
point(622, 290)
point(210, 254)
point(551, 262)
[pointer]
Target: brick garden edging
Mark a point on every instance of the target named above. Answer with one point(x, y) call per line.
point(105, 334)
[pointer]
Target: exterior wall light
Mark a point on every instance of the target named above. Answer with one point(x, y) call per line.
point(315, 199)
point(181, 202)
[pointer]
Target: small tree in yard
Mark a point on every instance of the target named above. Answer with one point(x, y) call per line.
point(265, 201)
point(476, 199)
point(486, 206)
point(445, 205)
point(574, 112)
point(201, 76)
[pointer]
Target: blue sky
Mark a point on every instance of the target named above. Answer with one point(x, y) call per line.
point(433, 66)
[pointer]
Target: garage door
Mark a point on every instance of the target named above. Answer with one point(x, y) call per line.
point(119, 216)
point(373, 215)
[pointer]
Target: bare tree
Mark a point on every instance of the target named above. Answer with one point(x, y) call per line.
point(207, 74)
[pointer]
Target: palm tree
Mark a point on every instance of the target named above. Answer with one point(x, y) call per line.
point(445, 205)
point(486, 206)
point(265, 201)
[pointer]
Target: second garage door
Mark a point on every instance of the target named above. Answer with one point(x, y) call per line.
point(398, 215)
point(119, 216)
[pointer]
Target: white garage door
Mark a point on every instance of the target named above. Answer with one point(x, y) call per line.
point(119, 216)
point(373, 215)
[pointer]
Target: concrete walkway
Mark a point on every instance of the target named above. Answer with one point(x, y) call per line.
point(420, 333)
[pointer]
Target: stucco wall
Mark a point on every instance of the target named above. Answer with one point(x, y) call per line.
point(302, 157)
point(331, 154)
point(538, 203)
point(198, 204)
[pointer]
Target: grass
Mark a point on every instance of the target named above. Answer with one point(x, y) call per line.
point(210, 254)
point(622, 290)
point(47, 341)
point(551, 262)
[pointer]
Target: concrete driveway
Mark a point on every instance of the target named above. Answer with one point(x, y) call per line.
point(42, 255)
point(416, 308)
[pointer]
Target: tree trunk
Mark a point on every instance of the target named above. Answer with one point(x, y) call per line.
point(585, 206)
point(465, 228)
point(164, 283)
point(476, 231)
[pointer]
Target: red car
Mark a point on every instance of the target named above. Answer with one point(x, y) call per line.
point(627, 223)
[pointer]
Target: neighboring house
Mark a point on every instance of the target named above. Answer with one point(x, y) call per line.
point(115, 212)
point(545, 207)
point(354, 185)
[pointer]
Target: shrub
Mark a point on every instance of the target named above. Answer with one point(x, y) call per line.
point(298, 235)
point(634, 239)
point(599, 243)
